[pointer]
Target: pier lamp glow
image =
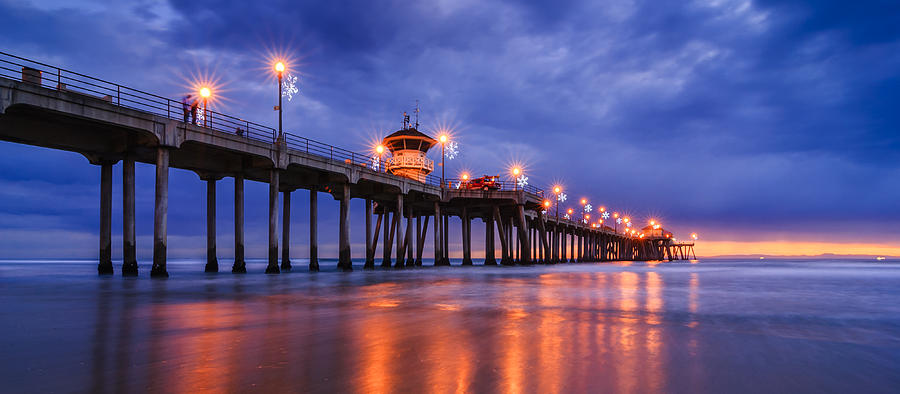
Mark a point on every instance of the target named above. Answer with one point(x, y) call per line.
point(377, 160)
point(279, 72)
point(516, 172)
point(443, 138)
point(205, 92)
point(558, 191)
point(694, 236)
point(546, 206)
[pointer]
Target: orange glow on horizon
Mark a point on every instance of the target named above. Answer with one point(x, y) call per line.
point(799, 248)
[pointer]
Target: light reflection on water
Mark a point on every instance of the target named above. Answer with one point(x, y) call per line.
point(709, 327)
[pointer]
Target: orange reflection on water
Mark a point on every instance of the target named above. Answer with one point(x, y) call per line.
point(554, 332)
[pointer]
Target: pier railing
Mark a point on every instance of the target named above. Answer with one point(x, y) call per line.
point(52, 77)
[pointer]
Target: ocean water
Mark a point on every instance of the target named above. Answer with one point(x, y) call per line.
point(714, 326)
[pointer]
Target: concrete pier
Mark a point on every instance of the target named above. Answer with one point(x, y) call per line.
point(399, 234)
point(410, 241)
point(525, 256)
point(129, 247)
point(344, 262)
point(489, 254)
point(212, 263)
point(272, 267)
point(239, 266)
point(370, 243)
point(105, 266)
point(389, 232)
point(313, 230)
point(160, 214)
point(445, 260)
point(286, 231)
point(421, 240)
point(466, 238)
point(438, 236)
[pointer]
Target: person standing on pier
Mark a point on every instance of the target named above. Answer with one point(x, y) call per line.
point(189, 105)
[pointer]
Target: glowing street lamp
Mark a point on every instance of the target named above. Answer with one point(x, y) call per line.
point(694, 236)
point(557, 190)
point(205, 93)
point(443, 139)
point(516, 171)
point(379, 150)
point(279, 71)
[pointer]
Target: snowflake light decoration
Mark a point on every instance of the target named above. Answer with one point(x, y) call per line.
point(588, 208)
point(459, 185)
point(543, 212)
point(628, 224)
point(585, 221)
point(376, 162)
point(522, 181)
point(566, 216)
point(605, 215)
point(452, 150)
point(289, 87)
point(562, 197)
point(619, 221)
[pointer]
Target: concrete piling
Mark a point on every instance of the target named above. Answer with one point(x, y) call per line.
point(286, 231)
point(129, 248)
point(160, 214)
point(105, 266)
point(212, 263)
point(239, 266)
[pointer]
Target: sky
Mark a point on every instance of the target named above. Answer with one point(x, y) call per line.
point(764, 126)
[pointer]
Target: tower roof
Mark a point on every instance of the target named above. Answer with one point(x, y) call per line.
point(409, 138)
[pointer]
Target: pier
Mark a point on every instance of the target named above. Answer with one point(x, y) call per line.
point(108, 123)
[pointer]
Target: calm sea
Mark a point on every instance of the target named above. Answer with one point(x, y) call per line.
point(715, 326)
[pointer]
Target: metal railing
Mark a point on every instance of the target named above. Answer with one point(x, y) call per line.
point(52, 77)
point(455, 183)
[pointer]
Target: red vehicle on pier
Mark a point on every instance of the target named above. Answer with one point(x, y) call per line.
point(486, 182)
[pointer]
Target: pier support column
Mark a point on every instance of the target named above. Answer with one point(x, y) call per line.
point(438, 235)
point(212, 263)
point(129, 250)
point(489, 254)
point(525, 256)
point(571, 235)
point(466, 239)
point(370, 260)
point(344, 262)
point(388, 237)
point(579, 256)
point(563, 234)
point(410, 261)
point(421, 241)
point(160, 215)
point(286, 231)
point(272, 267)
point(446, 247)
point(313, 230)
point(239, 266)
point(399, 232)
point(505, 258)
point(370, 246)
point(105, 267)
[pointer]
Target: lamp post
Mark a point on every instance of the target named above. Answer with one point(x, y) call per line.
point(380, 151)
point(557, 190)
point(205, 93)
point(279, 71)
point(515, 172)
point(616, 216)
point(583, 205)
point(443, 140)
